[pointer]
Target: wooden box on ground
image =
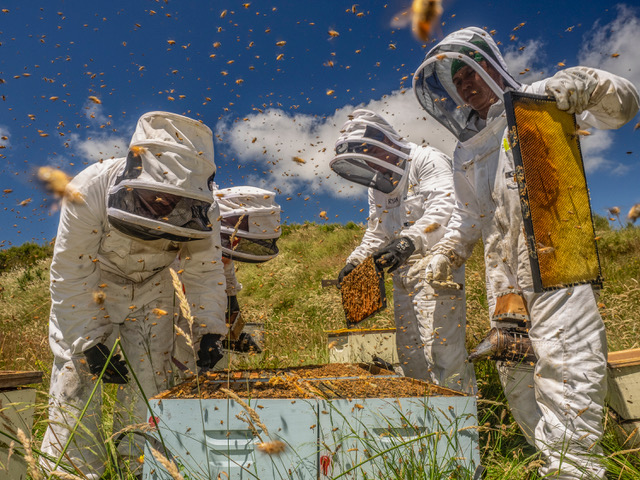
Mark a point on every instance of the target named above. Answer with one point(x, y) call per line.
point(624, 395)
point(624, 383)
point(354, 346)
point(16, 412)
point(313, 423)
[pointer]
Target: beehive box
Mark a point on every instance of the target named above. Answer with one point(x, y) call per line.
point(16, 412)
point(627, 431)
point(360, 346)
point(313, 423)
point(624, 383)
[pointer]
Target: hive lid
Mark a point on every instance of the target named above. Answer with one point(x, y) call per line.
point(358, 331)
point(624, 358)
point(11, 378)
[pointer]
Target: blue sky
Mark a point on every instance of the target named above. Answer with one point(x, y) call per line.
point(273, 80)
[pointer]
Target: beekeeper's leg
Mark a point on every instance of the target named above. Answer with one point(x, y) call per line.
point(430, 332)
point(569, 339)
point(146, 338)
point(70, 390)
point(517, 384)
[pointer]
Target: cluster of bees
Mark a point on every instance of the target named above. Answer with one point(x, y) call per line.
point(362, 293)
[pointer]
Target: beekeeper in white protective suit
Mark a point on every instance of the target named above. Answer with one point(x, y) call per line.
point(249, 231)
point(461, 84)
point(410, 202)
point(129, 219)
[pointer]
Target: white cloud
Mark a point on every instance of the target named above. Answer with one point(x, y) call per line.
point(94, 112)
point(594, 149)
point(4, 132)
point(620, 37)
point(99, 146)
point(528, 59)
point(273, 138)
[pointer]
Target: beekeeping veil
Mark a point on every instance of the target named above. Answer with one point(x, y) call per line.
point(165, 187)
point(249, 224)
point(433, 80)
point(370, 152)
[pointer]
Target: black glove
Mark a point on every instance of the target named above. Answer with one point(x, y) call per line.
point(116, 371)
point(232, 307)
point(394, 254)
point(244, 344)
point(345, 271)
point(210, 352)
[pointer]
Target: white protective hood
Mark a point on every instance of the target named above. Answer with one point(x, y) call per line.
point(370, 152)
point(433, 80)
point(165, 187)
point(249, 223)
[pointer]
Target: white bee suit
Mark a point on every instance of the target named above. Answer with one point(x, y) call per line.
point(559, 404)
point(430, 322)
point(105, 283)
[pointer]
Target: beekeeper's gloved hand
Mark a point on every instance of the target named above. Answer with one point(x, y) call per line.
point(116, 371)
point(210, 352)
point(232, 307)
point(394, 254)
point(438, 269)
point(348, 268)
point(572, 89)
point(244, 344)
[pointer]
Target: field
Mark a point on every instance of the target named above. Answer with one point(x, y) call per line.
point(286, 296)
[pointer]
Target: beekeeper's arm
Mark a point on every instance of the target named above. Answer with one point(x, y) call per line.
point(232, 285)
point(374, 237)
point(463, 231)
point(599, 99)
point(435, 185)
point(204, 280)
point(77, 320)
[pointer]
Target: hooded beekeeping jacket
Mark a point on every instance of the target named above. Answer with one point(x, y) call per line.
point(559, 404)
point(410, 195)
point(112, 234)
point(488, 204)
point(419, 198)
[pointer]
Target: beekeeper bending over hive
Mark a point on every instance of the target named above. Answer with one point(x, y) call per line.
point(249, 231)
point(125, 222)
point(461, 84)
point(410, 202)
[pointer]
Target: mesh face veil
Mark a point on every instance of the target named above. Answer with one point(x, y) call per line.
point(249, 224)
point(370, 152)
point(434, 86)
point(164, 189)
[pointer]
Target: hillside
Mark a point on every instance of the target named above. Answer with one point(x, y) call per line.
point(285, 295)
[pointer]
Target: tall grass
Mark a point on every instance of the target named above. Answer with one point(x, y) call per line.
point(285, 296)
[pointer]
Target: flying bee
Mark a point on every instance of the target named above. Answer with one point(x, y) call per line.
point(634, 213)
point(542, 249)
point(580, 133)
point(425, 14)
point(275, 447)
point(432, 227)
point(57, 182)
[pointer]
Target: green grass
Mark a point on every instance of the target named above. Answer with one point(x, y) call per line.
point(286, 296)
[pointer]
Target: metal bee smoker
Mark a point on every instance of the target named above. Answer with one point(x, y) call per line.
point(510, 339)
